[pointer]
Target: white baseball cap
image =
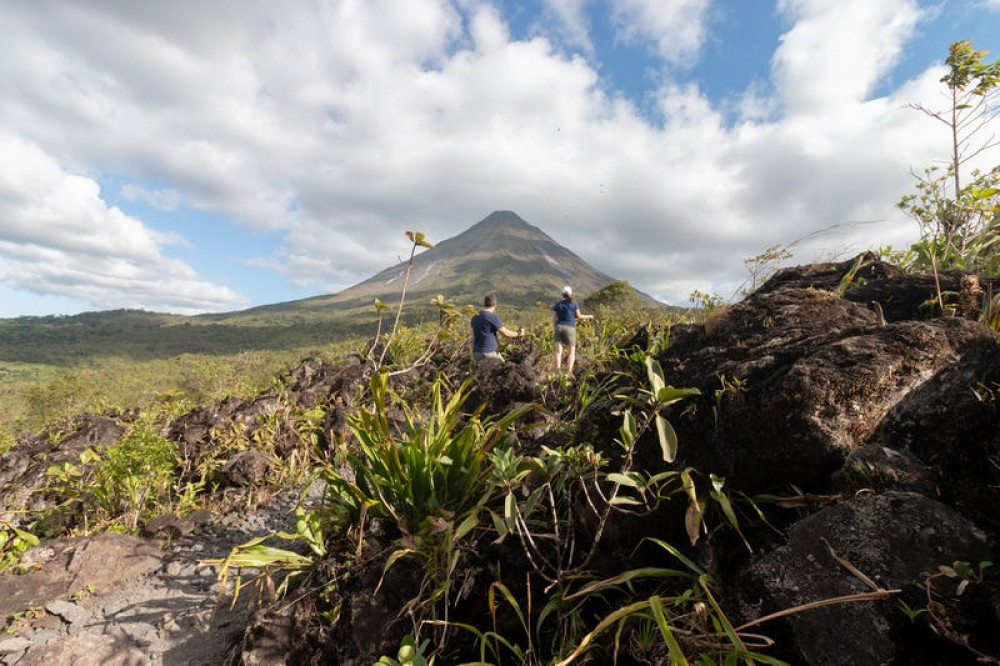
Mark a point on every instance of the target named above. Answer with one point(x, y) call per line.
point(567, 291)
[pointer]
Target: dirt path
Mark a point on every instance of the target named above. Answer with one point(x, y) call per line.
point(117, 600)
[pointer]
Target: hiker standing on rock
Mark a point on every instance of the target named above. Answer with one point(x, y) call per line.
point(485, 327)
point(564, 316)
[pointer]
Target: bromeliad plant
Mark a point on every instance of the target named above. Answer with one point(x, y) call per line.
point(418, 471)
point(428, 478)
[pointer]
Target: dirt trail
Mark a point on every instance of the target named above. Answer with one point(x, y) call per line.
point(120, 600)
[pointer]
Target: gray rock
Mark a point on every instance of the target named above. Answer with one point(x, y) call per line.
point(68, 611)
point(85, 649)
point(44, 636)
point(79, 564)
point(14, 644)
point(142, 633)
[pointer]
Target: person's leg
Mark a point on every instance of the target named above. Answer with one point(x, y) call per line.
point(570, 360)
point(559, 348)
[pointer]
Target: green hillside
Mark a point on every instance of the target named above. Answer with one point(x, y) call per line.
point(502, 253)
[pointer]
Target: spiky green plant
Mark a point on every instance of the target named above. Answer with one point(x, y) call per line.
point(428, 477)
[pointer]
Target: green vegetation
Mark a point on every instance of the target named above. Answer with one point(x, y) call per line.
point(144, 336)
point(53, 395)
point(442, 480)
point(617, 296)
point(132, 482)
point(959, 212)
point(448, 504)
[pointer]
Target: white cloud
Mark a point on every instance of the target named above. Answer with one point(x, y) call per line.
point(836, 53)
point(339, 124)
point(572, 24)
point(59, 238)
point(675, 27)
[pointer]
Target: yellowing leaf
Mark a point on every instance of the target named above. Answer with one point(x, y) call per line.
point(668, 438)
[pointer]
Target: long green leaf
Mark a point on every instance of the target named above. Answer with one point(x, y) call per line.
point(393, 558)
point(628, 577)
point(655, 374)
point(678, 554)
point(467, 525)
point(676, 655)
point(259, 555)
point(621, 500)
point(623, 479)
point(608, 621)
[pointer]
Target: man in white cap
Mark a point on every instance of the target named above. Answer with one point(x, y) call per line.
point(564, 316)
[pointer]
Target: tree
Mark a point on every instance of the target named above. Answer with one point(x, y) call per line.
point(619, 295)
point(958, 219)
point(971, 93)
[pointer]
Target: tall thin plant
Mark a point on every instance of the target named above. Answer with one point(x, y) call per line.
point(417, 239)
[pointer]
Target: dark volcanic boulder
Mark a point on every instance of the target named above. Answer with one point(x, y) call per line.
point(898, 540)
point(900, 296)
point(502, 386)
point(794, 379)
point(876, 467)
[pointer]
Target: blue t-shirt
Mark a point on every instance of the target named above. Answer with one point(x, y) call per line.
point(484, 332)
point(566, 312)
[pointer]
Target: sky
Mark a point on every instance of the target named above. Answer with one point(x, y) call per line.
point(192, 157)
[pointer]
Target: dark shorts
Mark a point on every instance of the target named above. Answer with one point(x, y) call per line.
point(479, 357)
point(566, 335)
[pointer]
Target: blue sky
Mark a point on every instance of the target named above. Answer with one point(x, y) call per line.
point(191, 158)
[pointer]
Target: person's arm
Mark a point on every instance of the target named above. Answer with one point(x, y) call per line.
point(509, 333)
point(580, 315)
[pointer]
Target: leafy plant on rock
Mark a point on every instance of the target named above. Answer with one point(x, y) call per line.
point(684, 623)
point(428, 478)
point(15, 541)
point(131, 482)
point(549, 497)
point(272, 569)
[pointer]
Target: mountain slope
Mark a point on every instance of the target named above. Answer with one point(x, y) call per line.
point(502, 253)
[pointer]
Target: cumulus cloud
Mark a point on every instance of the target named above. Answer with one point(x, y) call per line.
point(336, 125)
point(57, 237)
point(675, 27)
point(836, 53)
point(570, 22)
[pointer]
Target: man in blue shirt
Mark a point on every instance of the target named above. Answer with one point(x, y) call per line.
point(564, 316)
point(485, 327)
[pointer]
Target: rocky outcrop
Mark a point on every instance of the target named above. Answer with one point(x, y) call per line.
point(859, 397)
point(795, 379)
point(832, 403)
